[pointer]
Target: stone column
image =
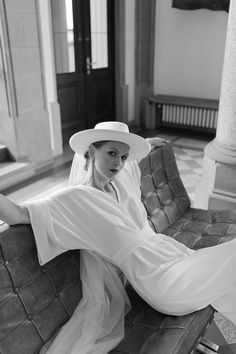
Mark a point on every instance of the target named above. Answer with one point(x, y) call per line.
point(217, 188)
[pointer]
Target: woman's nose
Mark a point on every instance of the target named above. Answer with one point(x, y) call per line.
point(117, 162)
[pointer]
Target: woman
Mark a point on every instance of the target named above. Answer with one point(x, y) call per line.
point(102, 214)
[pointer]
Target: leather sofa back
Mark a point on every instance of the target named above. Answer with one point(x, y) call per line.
point(34, 301)
point(163, 192)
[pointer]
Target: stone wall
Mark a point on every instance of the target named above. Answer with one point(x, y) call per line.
point(24, 120)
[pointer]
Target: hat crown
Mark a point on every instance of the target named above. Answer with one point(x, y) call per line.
point(117, 126)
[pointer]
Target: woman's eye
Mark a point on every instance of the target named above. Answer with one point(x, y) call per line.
point(112, 153)
point(124, 158)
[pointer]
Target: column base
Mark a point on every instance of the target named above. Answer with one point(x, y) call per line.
point(221, 153)
point(217, 188)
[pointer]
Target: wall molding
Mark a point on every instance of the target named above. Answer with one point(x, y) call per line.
point(8, 73)
point(144, 52)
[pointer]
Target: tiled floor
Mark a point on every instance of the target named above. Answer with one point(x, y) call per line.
point(189, 155)
point(189, 163)
point(220, 337)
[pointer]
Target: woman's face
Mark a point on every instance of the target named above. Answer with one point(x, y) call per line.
point(109, 159)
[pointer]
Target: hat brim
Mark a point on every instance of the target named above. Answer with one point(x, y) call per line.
point(139, 148)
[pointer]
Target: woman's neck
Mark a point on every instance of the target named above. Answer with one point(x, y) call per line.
point(99, 181)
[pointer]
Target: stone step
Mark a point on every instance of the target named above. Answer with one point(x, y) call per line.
point(3, 153)
point(12, 173)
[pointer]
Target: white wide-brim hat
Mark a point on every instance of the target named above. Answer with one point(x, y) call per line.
point(110, 131)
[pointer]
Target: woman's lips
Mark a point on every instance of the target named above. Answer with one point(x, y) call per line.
point(114, 171)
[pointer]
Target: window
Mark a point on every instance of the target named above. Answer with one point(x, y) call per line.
point(99, 35)
point(63, 33)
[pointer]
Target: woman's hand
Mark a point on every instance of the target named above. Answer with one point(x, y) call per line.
point(12, 213)
point(156, 141)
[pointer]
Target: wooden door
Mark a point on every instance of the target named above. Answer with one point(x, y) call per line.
point(84, 57)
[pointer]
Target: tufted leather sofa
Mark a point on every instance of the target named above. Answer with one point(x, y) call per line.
point(36, 301)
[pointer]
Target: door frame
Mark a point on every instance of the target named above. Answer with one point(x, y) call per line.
point(100, 73)
point(49, 71)
point(121, 89)
point(49, 75)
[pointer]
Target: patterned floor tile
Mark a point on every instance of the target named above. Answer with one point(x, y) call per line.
point(189, 162)
point(227, 328)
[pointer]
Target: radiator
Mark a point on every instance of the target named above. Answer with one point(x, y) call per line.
point(189, 116)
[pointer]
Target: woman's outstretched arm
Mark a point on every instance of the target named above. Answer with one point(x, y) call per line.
point(12, 213)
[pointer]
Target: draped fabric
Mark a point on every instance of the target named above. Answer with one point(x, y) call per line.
point(97, 324)
point(215, 5)
point(78, 175)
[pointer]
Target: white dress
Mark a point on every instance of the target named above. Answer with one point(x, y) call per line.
point(171, 277)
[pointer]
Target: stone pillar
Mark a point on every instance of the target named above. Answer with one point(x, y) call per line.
point(26, 116)
point(217, 189)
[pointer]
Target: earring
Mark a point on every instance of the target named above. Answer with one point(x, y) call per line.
point(91, 152)
point(86, 166)
point(89, 155)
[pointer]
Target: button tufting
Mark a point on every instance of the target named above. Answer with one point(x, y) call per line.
point(30, 317)
point(17, 290)
point(6, 263)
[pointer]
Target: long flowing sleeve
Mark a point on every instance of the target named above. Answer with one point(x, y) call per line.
point(83, 218)
point(58, 224)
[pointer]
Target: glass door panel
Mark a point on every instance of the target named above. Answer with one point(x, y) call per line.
point(83, 32)
point(99, 34)
point(63, 33)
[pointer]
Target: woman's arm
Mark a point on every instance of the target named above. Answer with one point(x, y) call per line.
point(12, 213)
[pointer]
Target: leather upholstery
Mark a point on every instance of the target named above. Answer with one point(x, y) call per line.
point(168, 205)
point(35, 301)
point(163, 193)
point(151, 332)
